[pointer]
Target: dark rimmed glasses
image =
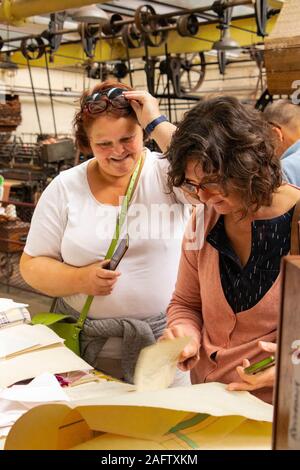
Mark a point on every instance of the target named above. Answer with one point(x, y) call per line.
point(98, 102)
point(193, 188)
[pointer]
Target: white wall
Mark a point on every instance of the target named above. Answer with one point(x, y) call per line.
point(64, 106)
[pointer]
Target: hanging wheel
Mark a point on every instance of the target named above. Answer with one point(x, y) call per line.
point(120, 70)
point(144, 20)
point(131, 37)
point(149, 26)
point(32, 48)
point(110, 27)
point(192, 72)
point(155, 39)
point(187, 25)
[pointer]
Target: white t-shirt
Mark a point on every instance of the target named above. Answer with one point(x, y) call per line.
point(70, 225)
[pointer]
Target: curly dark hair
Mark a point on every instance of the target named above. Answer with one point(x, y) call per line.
point(233, 145)
point(83, 120)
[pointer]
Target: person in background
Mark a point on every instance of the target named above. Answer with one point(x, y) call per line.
point(227, 295)
point(75, 222)
point(284, 116)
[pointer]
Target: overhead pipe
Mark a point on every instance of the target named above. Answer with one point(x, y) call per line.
point(33, 36)
point(211, 20)
point(12, 11)
point(200, 10)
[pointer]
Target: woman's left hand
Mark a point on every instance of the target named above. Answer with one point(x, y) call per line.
point(144, 105)
point(261, 379)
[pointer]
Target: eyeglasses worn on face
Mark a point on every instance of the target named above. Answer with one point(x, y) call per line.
point(193, 188)
point(99, 102)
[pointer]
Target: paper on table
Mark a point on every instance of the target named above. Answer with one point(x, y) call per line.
point(9, 417)
point(4, 432)
point(11, 344)
point(10, 412)
point(55, 360)
point(22, 337)
point(7, 304)
point(8, 420)
point(18, 399)
point(97, 390)
point(42, 389)
point(13, 317)
point(210, 398)
point(141, 415)
point(156, 365)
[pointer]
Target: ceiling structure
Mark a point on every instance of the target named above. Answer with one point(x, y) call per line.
point(166, 39)
point(28, 17)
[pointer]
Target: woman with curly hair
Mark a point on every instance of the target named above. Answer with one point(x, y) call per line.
point(227, 294)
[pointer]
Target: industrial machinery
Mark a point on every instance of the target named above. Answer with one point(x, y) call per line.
point(30, 167)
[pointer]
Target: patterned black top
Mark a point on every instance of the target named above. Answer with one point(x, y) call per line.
point(244, 286)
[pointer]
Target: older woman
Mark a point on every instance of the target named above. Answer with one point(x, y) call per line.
point(227, 294)
point(78, 216)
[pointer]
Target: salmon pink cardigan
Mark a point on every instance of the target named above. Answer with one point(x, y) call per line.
point(225, 338)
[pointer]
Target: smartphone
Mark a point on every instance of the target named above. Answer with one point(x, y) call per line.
point(118, 254)
point(260, 366)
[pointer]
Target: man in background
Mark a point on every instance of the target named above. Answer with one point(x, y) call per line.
point(285, 118)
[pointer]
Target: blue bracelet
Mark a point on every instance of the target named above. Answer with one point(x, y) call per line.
point(152, 125)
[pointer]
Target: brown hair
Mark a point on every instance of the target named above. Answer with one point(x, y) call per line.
point(83, 120)
point(233, 145)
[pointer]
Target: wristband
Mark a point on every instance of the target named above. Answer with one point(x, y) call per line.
point(152, 125)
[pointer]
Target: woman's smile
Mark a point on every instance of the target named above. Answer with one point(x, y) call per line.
point(120, 159)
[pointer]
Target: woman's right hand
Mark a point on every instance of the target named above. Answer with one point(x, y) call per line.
point(95, 280)
point(190, 354)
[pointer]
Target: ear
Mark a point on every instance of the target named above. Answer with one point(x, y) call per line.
point(278, 133)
